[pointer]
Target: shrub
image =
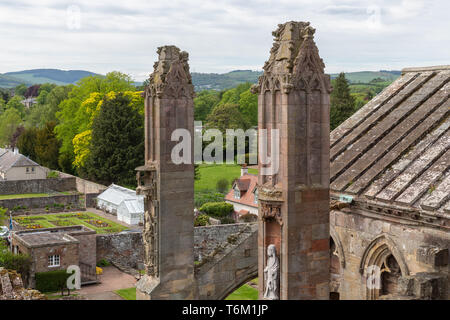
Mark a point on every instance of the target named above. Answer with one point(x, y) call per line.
point(19, 262)
point(200, 198)
point(53, 174)
point(217, 209)
point(227, 220)
point(222, 185)
point(103, 263)
point(201, 220)
point(51, 281)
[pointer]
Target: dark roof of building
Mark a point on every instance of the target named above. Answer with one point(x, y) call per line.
point(51, 236)
point(395, 149)
point(9, 159)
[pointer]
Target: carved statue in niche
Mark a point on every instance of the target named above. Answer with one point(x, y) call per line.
point(271, 274)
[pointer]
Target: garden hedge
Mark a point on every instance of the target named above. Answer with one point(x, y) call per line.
point(217, 209)
point(51, 281)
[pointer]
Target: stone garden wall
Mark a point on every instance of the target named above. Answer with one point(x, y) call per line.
point(124, 248)
point(207, 238)
point(127, 248)
point(41, 202)
point(66, 183)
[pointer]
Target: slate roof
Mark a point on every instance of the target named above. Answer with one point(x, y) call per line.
point(116, 194)
point(395, 149)
point(9, 159)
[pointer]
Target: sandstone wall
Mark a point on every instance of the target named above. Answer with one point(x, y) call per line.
point(41, 202)
point(66, 183)
point(229, 266)
point(124, 248)
point(207, 238)
point(356, 233)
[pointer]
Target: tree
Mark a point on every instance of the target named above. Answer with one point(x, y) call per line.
point(72, 121)
point(16, 103)
point(117, 143)
point(204, 103)
point(10, 120)
point(19, 130)
point(20, 89)
point(342, 103)
point(27, 142)
point(227, 116)
point(47, 146)
point(248, 106)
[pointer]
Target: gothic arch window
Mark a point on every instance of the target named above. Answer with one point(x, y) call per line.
point(381, 266)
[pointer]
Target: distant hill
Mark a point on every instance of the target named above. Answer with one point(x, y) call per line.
point(201, 81)
point(38, 76)
point(216, 81)
point(367, 76)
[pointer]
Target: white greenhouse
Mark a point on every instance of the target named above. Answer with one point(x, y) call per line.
point(122, 202)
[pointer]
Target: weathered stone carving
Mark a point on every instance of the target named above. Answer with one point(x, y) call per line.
point(271, 210)
point(294, 61)
point(294, 98)
point(271, 274)
point(174, 84)
point(146, 178)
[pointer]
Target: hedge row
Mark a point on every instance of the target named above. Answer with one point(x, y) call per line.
point(217, 209)
point(51, 281)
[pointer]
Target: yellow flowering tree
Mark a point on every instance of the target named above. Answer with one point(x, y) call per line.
point(86, 114)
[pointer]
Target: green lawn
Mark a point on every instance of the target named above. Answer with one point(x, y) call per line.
point(244, 292)
point(127, 294)
point(20, 196)
point(211, 173)
point(88, 219)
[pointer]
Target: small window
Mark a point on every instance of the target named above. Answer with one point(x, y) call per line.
point(28, 170)
point(32, 169)
point(256, 196)
point(53, 261)
point(237, 193)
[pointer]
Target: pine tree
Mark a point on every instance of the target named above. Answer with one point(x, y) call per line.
point(342, 103)
point(117, 145)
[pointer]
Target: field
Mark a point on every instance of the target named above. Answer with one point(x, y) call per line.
point(88, 219)
point(245, 292)
point(25, 195)
point(127, 294)
point(211, 173)
point(32, 195)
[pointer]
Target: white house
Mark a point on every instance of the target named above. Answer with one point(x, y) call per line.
point(244, 194)
point(15, 166)
point(122, 202)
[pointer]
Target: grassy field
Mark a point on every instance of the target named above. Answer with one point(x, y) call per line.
point(21, 196)
point(245, 292)
point(127, 294)
point(211, 173)
point(88, 219)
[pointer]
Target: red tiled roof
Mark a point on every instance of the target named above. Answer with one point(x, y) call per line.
point(247, 184)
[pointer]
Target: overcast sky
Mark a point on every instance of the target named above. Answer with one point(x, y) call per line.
point(220, 35)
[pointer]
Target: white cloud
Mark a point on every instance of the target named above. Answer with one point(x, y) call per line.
point(219, 35)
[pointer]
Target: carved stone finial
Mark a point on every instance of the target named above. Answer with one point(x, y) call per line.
point(308, 32)
point(171, 76)
point(294, 61)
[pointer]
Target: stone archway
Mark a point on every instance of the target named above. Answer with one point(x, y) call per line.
point(337, 265)
point(382, 264)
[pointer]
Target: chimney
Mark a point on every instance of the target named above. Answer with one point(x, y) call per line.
point(16, 150)
point(244, 169)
